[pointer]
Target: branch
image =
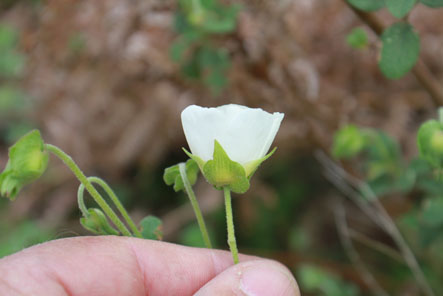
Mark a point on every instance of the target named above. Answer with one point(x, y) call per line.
point(343, 231)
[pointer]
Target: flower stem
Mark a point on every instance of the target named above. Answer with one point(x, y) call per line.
point(94, 193)
point(195, 206)
point(116, 202)
point(230, 224)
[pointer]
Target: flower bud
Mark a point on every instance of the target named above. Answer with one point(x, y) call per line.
point(28, 160)
point(97, 223)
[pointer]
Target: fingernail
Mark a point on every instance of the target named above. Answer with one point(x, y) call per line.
point(267, 281)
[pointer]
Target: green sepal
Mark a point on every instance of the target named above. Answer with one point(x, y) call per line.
point(430, 142)
point(252, 166)
point(97, 223)
point(28, 160)
point(151, 228)
point(172, 175)
point(200, 162)
point(221, 171)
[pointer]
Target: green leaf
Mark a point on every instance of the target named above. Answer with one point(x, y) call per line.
point(27, 162)
point(432, 214)
point(357, 38)
point(151, 228)
point(172, 175)
point(367, 5)
point(8, 38)
point(11, 64)
point(432, 3)
point(400, 8)
point(97, 223)
point(348, 142)
point(11, 99)
point(222, 171)
point(400, 49)
point(430, 142)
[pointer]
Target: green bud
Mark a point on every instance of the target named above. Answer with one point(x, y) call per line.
point(151, 228)
point(430, 142)
point(348, 142)
point(28, 160)
point(172, 175)
point(97, 223)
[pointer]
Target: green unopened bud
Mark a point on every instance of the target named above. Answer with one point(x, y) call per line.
point(430, 142)
point(28, 160)
point(97, 223)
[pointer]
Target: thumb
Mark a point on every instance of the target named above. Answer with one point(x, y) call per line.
point(253, 278)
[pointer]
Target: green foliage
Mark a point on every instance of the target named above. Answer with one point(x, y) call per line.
point(357, 38)
point(172, 175)
point(11, 62)
point(367, 5)
point(432, 3)
point(400, 49)
point(27, 162)
point(191, 236)
point(23, 235)
point(430, 142)
point(97, 223)
point(348, 142)
point(400, 8)
point(313, 279)
point(198, 22)
point(11, 99)
point(151, 228)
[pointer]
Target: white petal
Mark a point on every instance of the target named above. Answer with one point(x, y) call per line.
point(245, 133)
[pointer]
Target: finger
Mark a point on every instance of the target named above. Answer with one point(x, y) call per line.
point(253, 278)
point(110, 266)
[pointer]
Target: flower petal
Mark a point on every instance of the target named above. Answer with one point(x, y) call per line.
point(246, 134)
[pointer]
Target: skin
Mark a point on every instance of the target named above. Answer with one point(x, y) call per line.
point(110, 265)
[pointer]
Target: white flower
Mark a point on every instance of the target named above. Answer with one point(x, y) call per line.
point(246, 134)
point(229, 142)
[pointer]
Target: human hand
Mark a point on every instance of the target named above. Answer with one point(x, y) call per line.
point(110, 265)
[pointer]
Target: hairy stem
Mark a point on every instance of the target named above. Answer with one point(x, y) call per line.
point(195, 206)
point(94, 193)
point(230, 224)
point(116, 202)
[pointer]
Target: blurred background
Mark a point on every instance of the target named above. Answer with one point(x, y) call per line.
point(106, 82)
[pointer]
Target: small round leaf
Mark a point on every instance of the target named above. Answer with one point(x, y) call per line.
point(432, 3)
point(400, 8)
point(399, 53)
point(367, 5)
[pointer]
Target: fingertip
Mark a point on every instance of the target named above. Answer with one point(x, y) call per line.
point(253, 278)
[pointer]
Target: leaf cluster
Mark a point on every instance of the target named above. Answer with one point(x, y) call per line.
point(400, 41)
point(199, 23)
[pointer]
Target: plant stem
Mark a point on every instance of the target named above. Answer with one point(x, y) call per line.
point(94, 193)
point(195, 206)
point(230, 224)
point(117, 204)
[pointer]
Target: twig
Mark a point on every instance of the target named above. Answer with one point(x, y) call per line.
point(420, 71)
point(380, 247)
point(343, 231)
point(377, 210)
